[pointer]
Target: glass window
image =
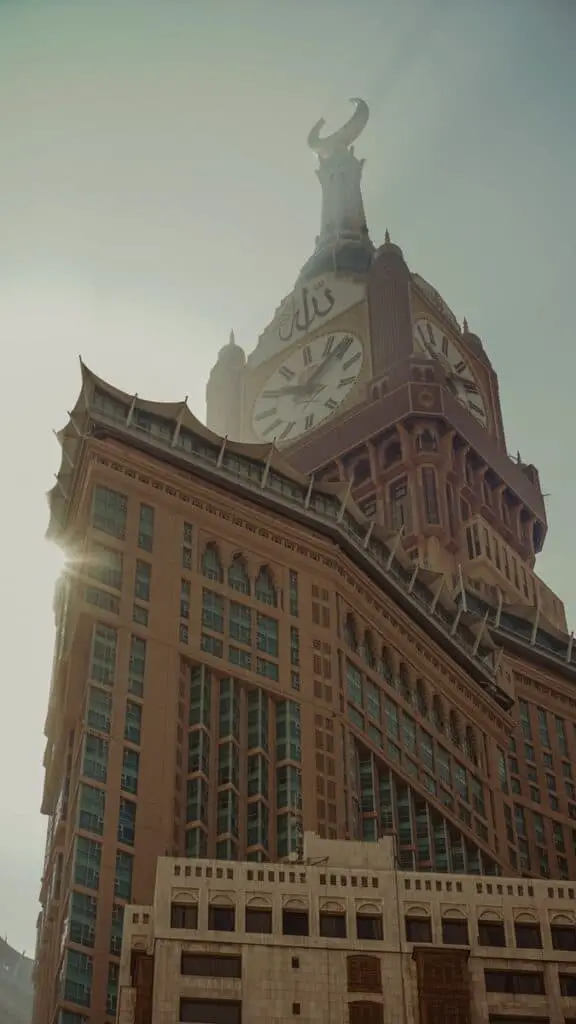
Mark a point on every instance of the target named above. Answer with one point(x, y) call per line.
point(267, 635)
point(123, 876)
point(127, 821)
point(293, 593)
point(95, 762)
point(133, 725)
point(137, 665)
point(87, 857)
point(130, 765)
point(117, 929)
point(265, 589)
point(146, 528)
point(238, 578)
point(99, 712)
point(105, 565)
point(211, 565)
point(212, 611)
point(354, 683)
point(103, 658)
point(109, 511)
point(142, 580)
point(78, 978)
point(82, 918)
point(91, 809)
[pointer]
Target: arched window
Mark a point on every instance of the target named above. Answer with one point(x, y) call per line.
point(426, 441)
point(454, 729)
point(421, 698)
point(211, 564)
point(404, 681)
point(470, 746)
point(350, 634)
point(264, 589)
point(238, 578)
point(438, 716)
point(369, 649)
point(386, 664)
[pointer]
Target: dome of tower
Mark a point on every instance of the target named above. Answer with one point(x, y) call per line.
point(232, 354)
point(474, 343)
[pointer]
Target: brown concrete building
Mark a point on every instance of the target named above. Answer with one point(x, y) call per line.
point(342, 938)
point(342, 631)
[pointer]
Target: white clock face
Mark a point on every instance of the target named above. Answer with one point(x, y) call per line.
point(434, 342)
point(307, 387)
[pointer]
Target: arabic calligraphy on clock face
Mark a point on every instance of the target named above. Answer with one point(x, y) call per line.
point(307, 387)
point(300, 314)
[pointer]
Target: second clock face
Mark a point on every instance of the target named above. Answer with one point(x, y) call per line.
point(431, 339)
point(309, 386)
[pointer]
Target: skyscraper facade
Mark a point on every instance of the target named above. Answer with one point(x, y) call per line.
point(320, 611)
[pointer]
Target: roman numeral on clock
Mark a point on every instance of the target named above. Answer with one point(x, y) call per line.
point(343, 346)
point(271, 427)
point(350, 362)
point(265, 414)
point(287, 430)
point(470, 386)
point(330, 403)
point(445, 345)
point(309, 421)
point(477, 409)
point(346, 381)
point(286, 372)
point(328, 345)
point(307, 355)
point(460, 366)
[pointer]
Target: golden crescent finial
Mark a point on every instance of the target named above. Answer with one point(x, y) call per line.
point(345, 135)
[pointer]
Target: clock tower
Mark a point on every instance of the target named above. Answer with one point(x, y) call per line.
point(365, 376)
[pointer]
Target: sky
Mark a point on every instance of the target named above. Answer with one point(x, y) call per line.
point(156, 191)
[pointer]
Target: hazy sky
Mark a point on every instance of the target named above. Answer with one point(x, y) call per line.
point(156, 190)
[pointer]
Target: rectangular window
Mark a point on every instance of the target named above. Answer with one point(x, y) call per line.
point(133, 724)
point(295, 922)
point(112, 989)
point(561, 736)
point(87, 857)
point(354, 683)
point(491, 933)
point(399, 504)
point(239, 657)
point(294, 646)
point(185, 590)
point(117, 929)
point(527, 936)
point(563, 937)
point(140, 615)
point(104, 565)
point(109, 511)
point(206, 965)
point(202, 1011)
point(418, 929)
point(146, 528)
point(221, 919)
point(240, 623)
point(525, 719)
point(258, 921)
point(142, 578)
point(543, 727)
point(369, 926)
point(294, 593)
point(430, 496)
point(454, 933)
point(130, 765)
point(91, 809)
point(95, 761)
point(99, 712)
point(103, 659)
point(127, 822)
point(78, 978)
point(212, 611)
point(184, 915)
point(137, 665)
point(267, 635)
point(525, 983)
point(211, 645)
point(82, 918)
point(267, 668)
point(123, 876)
point(332, 926)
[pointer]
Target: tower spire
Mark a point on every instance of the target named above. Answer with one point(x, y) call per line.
point(340, 174)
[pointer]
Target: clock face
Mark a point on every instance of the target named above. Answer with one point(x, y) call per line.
point(434, 342)
point(307, 387)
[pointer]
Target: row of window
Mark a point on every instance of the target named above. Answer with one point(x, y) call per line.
point(259, 921)
point(526, 983)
